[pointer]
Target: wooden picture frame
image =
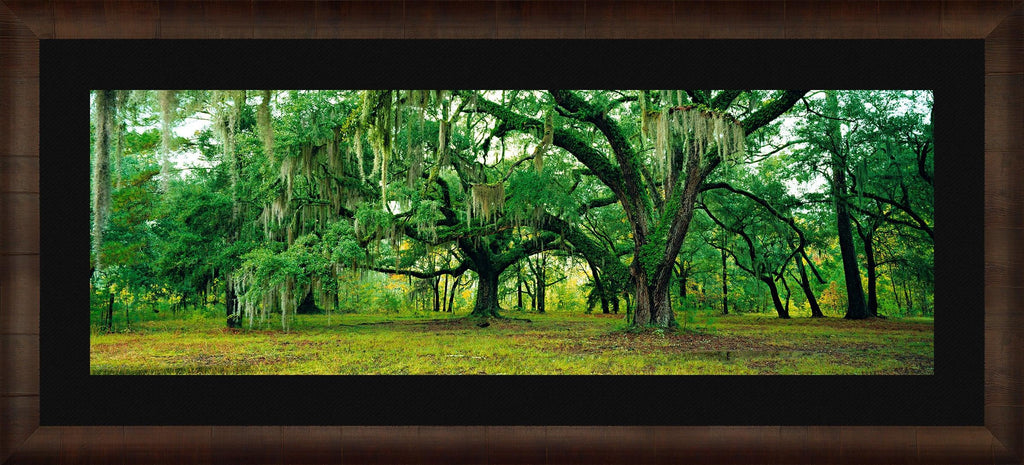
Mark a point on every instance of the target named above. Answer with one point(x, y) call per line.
point(23, 23)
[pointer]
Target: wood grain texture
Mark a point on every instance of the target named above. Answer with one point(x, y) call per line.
point(207, 19)
point(692, 19)
point(716, 444)
point(808, 19)
point(1000, 441)
point(36, 15)
point(809, 444)
point(948, 446)
point(311, 445)
point(1003, 189)
point(746, 19)
point(23, 415)
point(294, 19)
point(107, 19)
point(1006, 423)
point(19, 115)
point(19, 47)
point(43, 447)
point(1002, 308)
point(379, 444)
point(19, 361)
point(544, 19)
point(1004, 120)
point(963, 19)
point(1004, 46)
point(19, 223)
point(854, 20)
point(451, 19)
point(514, 445)
point(19, 295)
point(154, 444)
point(609, 19)
point(92, 444)
point(359, 20)
point(19, 174)
point(1004, 369)
point(1003, 247)
point(600, 445)
point(878, 444)
point(909, 20)
point(244, 445)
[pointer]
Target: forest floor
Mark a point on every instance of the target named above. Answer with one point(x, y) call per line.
point(549, 344)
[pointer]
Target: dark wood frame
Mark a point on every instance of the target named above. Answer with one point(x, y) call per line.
point(24, 22)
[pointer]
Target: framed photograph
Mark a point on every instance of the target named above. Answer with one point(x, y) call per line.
point(64, 404)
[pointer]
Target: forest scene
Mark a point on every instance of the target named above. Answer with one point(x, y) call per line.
point(520, 232)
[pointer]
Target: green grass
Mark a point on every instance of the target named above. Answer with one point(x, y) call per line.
point(550, 344)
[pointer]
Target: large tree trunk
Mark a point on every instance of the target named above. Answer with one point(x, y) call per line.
point(486, 293)
point(652, 304)
point(805, 284)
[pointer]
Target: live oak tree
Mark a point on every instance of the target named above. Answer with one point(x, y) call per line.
point(692, 132)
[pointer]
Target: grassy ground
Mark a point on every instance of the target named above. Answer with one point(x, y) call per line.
point(550, 344)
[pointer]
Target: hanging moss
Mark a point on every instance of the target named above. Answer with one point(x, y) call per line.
point(699, 129)
point(486, 201)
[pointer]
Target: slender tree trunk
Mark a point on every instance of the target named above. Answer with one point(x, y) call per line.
point(776, 301)
point(451, 295)
point(808, 292)
point(540, 275)
point(231, 303)
point(519, 293)
point(435, 284)
point(872, 270)
point(110, 312)
point(895, 294)
point(444, 295)
point(785, 285)
point(683, 277)
point(725, 285)
point(615, 305)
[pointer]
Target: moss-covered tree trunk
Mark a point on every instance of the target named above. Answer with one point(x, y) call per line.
point(104, 102)
point(486, 304)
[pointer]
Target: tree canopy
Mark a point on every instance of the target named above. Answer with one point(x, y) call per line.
point(267, 203)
